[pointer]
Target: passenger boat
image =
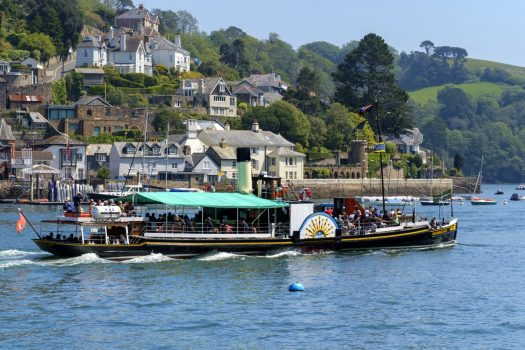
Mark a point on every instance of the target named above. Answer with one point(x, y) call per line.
point(226, 222)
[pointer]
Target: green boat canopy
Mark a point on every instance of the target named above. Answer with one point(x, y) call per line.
point(203, 199)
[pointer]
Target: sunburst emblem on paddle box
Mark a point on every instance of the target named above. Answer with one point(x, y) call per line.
point(318, 225)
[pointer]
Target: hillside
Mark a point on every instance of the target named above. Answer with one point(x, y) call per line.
point(477, 67)
point(475, 90)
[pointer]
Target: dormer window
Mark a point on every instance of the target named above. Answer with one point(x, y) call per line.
point(172, 149)
point(129, 149)
point(155, 150)
point(222, 87)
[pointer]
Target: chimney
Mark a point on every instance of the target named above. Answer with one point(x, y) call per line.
point(187, 150)
point(177, 41)
point(222, 143)
point(201, 87)
point(255, 126)
point(123, 42)
point(227, 126)
point(141, 6)
point(192, 129)
point(244, 170)
point(110, 37)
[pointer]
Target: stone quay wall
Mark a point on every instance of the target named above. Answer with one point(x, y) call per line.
point(329, 188)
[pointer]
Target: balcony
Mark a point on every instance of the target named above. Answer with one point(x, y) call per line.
point(68, 164)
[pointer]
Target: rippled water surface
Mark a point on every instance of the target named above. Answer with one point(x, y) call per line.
point(468, 296)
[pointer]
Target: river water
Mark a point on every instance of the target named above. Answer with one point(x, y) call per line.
point(467, 296)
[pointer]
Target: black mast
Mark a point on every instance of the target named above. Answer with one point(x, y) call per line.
point(380, 139)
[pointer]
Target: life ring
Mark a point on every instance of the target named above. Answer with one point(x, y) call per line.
point(305, 194)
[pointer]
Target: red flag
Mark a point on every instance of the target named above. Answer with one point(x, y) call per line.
point(365, 109)
point(21, 223)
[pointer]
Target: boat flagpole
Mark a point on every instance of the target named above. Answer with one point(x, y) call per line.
point(166, 152)
point(29, 222)
point(380, 138)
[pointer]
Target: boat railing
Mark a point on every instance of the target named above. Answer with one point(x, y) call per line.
point(202, 228)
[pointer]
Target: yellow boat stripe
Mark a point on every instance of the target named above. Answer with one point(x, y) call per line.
point(383, 237)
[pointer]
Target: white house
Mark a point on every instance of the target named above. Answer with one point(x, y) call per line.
point(69, 156)
point(160, 159)
point(409, 141)
point(286, 163)
point(205, 166)
point(128, 54)
point(270, 153)
point(213, 93)
point(91, 52)
point(226, 158)
point(169, 54)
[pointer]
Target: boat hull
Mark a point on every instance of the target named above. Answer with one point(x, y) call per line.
point(428, 203)
point(421, 236)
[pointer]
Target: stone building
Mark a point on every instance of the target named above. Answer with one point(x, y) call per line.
point(92, 115)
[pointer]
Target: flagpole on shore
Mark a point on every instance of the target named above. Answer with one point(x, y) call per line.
point(29, 222)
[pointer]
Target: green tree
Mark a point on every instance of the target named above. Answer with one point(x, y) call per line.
point(304, 94)
point(41, 42)
point(280, 117)
point(366, 75)
point(428, 46)
point(74, 86)
point(458, 161)
point(103, 173)
point(456, 107)
point(59, 92)
point(234, 55)
point(62, 20)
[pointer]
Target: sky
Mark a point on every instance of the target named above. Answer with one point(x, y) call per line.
point(487, 29)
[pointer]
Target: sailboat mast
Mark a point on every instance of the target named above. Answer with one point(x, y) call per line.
point(144, 147)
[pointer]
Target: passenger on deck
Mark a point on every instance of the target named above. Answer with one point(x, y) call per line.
point(208, 225)
point(77, 200)
point(433, 223)
point(122, 239)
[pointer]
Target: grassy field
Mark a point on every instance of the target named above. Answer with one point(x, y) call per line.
point(475, 90)
point(478, 66)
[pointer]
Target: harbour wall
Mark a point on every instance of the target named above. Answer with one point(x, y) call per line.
point(329, 188)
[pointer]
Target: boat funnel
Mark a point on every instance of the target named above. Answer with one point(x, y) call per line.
point(244, 170)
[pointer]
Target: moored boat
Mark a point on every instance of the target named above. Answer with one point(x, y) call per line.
point(482, 201)
point(517, 197)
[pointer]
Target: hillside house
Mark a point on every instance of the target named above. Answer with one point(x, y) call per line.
point(169, 54)
point(91, 52)
point(138, 17)
point(212, 93)
point(69, 156)
point(152, 160)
